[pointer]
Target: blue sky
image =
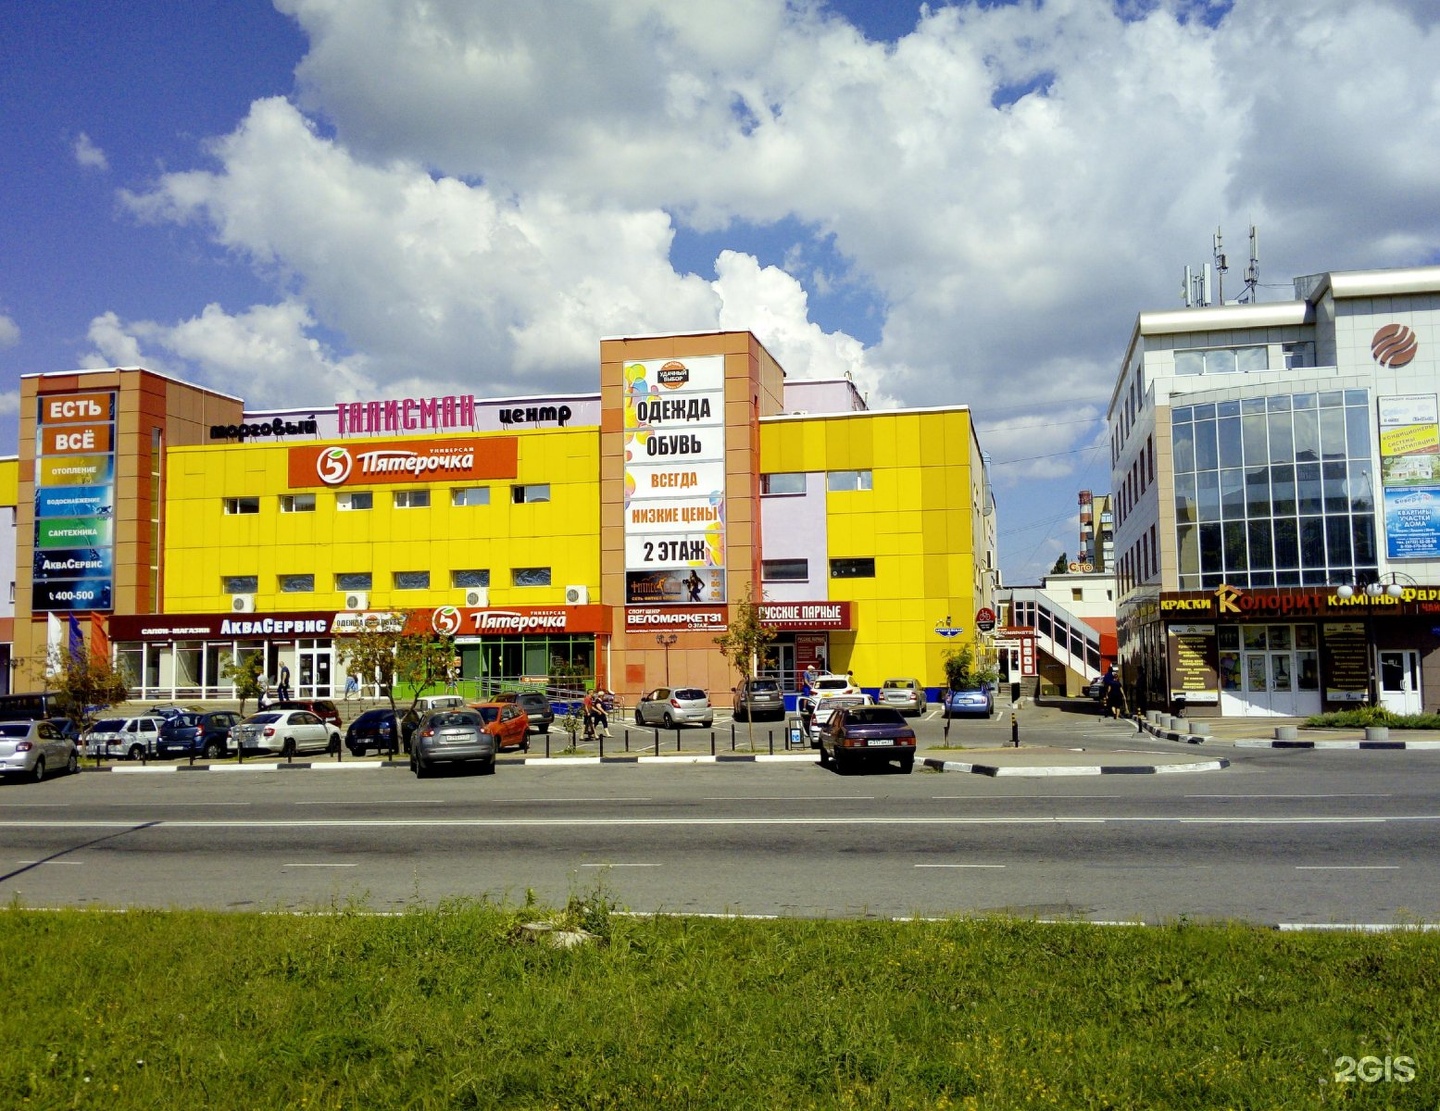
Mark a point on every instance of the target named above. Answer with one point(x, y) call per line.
point(961, 204)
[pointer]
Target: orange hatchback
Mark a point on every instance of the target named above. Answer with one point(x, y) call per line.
point(506, 722)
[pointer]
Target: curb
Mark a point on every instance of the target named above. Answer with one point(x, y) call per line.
point(1423, 746)
point(537, 762)
point(1086, 769)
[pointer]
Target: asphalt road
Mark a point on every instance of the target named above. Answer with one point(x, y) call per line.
point(1282, 836)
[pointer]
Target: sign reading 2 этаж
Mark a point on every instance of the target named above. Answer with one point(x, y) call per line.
point(675, 480)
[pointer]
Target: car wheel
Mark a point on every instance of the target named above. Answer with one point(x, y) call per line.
point(418, 766)
point(525, 744)
point(72, 765)
point(669, 721)
point(639, 717)
point(824, 757)
point(213, 750)
point(287, 748)
point(137, 752)
point(488, 768)
point(907, 764)
point(842, 764)
point(37, 773)
point(334, 744)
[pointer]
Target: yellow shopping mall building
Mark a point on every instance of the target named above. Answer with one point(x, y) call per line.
point(562, 540)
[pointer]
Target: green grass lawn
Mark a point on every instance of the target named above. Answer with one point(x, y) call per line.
point(453, 1008)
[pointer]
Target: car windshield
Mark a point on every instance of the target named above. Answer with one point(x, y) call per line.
point(970, 690)
point(488, 714)
point(109, 725)
point(458, 717)
point(533, 701)
point(899, 684)
point(831, 683)
point(14, 728)
point(873, 715)
point(764, 685)
point(372, 717)
point(689, 694)
point(262, 719)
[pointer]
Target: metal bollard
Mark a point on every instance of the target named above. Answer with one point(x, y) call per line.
point(712, 742)
point(601, 738)
point(1014, 729)
point(656, 730)
point(770, 736)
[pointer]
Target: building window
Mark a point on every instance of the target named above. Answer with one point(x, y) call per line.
point(412, 580)
point(242, 505)
point(297, 584)
point(355, 499)
point(465, 579)
point(523, 495)
point(1076, 594)
point(412, 499)
point(1274, 491)
point(785, 570)
point(853, 568)
point(848, 480)
point(530, 576)
point(1222, 360)
point(297, 503)
point(353, 580)
point(470, 495)
point(790, 482)
point(240, 584)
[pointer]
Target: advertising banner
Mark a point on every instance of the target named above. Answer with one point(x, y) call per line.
point(1194, 663)
point(675, 481)
point(74, 561)
point(403, 461)
point(1346, 659)
point(648, 619)
point(1410, 474)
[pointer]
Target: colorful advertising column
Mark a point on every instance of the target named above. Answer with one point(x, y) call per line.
point(675, 481)
point(75, 503)
point(1410, 475)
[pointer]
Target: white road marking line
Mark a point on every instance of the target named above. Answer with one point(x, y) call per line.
point(616, 864)
point(959, 866)
point(1336, 795)
point(297, 864)
point(1347, 867)
point(49, 862)
point(787, 798)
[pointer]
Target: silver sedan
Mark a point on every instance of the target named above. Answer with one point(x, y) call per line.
point(33, 749)
point(674, 706)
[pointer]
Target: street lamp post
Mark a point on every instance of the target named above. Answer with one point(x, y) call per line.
point(665, 640)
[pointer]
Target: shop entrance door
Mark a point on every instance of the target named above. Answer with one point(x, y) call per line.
point(1400, 680)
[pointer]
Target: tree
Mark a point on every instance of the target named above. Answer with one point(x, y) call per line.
point(86, 685)
point(244, 673)
point(742, 642)
point(961, 669)
point(396, 649)
point(1062, 562)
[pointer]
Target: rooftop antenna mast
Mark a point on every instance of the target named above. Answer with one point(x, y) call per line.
point(1217, 247)
point(1196, 288)
point(1252, 272)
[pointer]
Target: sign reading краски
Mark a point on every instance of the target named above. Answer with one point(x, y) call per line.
point(391, 461)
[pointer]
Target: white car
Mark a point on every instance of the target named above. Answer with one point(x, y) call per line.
point(130, 738)
point(33, 748)
point(287, 732)
point(826, 685)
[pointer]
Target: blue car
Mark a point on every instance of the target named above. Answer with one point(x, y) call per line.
point(974, 702)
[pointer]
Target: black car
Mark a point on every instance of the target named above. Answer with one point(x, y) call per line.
point(203, 733)
point(536, 706)
point(379, 729)
point(858, 736)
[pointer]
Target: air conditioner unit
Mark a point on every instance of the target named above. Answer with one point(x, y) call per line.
point(242, 603)
point(577, 595)
point(477, 597)
point(357, 601)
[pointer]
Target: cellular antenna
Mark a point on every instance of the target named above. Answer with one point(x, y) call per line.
point(1252, 272)
point(1217, 247)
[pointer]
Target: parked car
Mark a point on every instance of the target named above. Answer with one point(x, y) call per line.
point(427, 703)
point(674, 706)
point(826, 685)
point(458, 737)
point(204, 734)
point(287, 732)
point(1095, 688)
point(131, 738)
point(536, 706)
point(857, 735)
point(818, 713)
point(322, 708)
point(506, 722)
point(33, 749)
point(380, 729)
point(972, 701)
point(905, 695)
point(759, 698)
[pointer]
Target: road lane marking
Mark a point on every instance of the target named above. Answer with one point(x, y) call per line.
point(637, 822)
point(788, 798)
point(959, 866)
point(49, 862)
point(619, 865)
point(1347, 867)
point(297, 864)
point(1335, 795)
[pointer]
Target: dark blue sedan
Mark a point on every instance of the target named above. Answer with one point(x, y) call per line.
point(971, 702)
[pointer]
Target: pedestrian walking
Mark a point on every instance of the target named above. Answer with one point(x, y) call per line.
point(284, 684)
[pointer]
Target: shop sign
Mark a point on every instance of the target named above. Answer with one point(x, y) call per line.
point(406, 414)
point(1293, 602)
point(985, 620)
point(805, 615)
point(1194, 658)
point(1346, 656)
point(519, 620)
point(284, 626)
point(265, 429)
point(642, 619)
point(407, 461)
